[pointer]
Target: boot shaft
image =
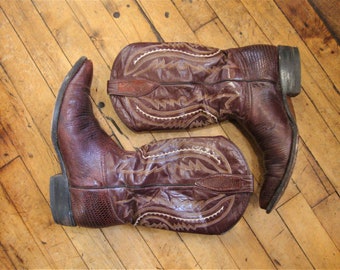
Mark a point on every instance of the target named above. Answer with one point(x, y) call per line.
point(176, 63)
point(181, 85)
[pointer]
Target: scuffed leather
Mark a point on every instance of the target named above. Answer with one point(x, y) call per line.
point(200, 184)
point(182, 85)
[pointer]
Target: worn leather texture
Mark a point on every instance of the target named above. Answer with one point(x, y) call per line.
point(200, 184)
point(181, 85)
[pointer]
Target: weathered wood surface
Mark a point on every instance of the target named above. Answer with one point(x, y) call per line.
point(40, 40)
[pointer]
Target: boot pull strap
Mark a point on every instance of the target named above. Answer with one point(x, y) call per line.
point(228, 183)
point(130, 88)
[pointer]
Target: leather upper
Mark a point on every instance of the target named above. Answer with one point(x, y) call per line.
point(185, 184)
point(181, 85)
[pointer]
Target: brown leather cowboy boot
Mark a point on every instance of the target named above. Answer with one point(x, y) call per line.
point(181, 85)
point(200, 185)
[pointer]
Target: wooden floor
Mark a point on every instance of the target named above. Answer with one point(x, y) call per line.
point(40, 41)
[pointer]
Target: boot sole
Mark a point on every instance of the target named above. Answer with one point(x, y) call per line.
point(290, 79)
point(60, 199)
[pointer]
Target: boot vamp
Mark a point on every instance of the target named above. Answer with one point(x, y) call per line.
point(269, 124)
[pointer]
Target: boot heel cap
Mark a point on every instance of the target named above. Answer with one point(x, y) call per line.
point(290, 70)
point(60, 200)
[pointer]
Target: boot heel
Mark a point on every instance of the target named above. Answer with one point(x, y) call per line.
point(290, 70)
point(60, 200)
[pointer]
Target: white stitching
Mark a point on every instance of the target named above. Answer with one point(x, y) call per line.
point(178, 116)
point(178, 218)
point(175, 50)
point(197, 149)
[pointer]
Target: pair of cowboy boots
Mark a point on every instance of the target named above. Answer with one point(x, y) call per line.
point(200, 184)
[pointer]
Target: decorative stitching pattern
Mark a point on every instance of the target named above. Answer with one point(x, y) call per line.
point(175, 50)
point(193, 220)
point(178, 116)
point(197, 149)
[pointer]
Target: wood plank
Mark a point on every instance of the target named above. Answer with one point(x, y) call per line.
point(190, 9)
point(44, 50)
point(25, 136)
point(94, 248)
point(169, 249)
point(310, 184)
point(327, 213)
point(310, 234)
point(130, 247)
point(314, 32)
point(317, 169)
point(244, 247)
point(130, 20)
point(276, 238)
point(329, 10)
point(31, 86)
point(238, 22)
point(35, 213)
point(101, 28)
point(8, 151)
point(209, 251)
point(156, 12)
point(65, 28)
point(323, 146)
point(214, 34)
point(17, 241)
point(5, 261)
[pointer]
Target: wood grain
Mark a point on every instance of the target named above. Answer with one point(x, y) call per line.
point(41, 40)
